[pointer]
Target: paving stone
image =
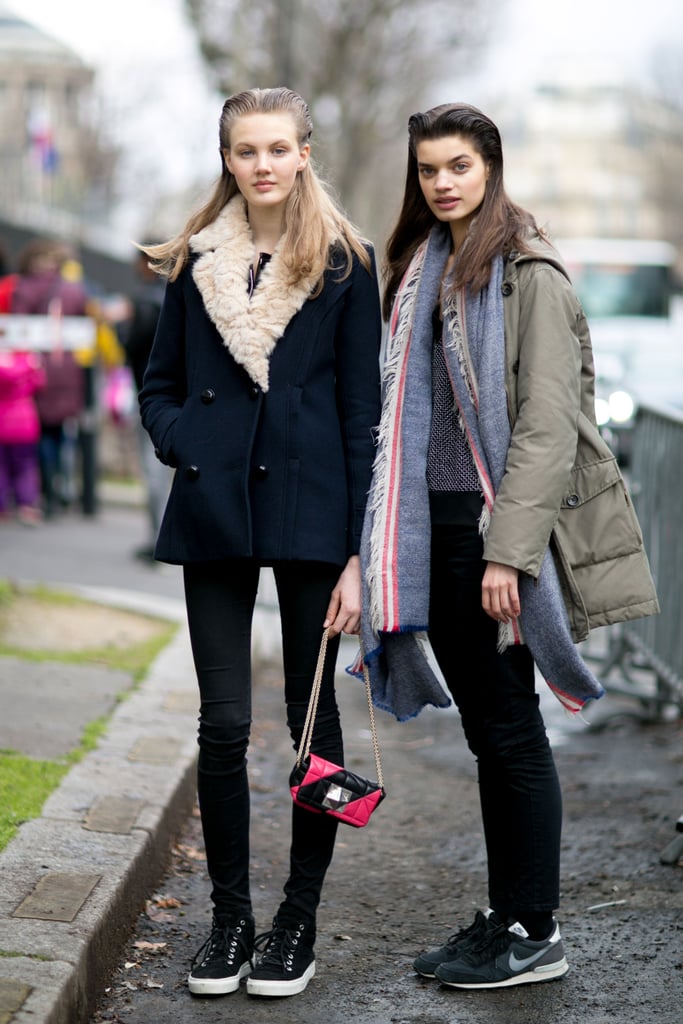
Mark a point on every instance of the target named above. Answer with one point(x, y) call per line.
point(156, 750)
point(113, 814)
point(57, 897)
point(182, 701)
point(13, 995)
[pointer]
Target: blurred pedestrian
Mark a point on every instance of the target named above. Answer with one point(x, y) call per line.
point(41, 288)
point(137, 334)
point(498, 525)
point(262, 390)
point(21, 376)
point(8, 281)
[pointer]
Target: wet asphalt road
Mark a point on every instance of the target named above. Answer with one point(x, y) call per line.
point(418, 869)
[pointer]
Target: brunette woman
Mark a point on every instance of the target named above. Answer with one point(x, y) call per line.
point(498, 525)
point(262, 390)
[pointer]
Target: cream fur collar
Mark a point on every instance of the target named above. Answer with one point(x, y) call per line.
point(250, 328)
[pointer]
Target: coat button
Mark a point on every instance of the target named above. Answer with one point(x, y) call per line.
point(506, 288)
point(260, 472)
point(254, 391)
point(192, 473)
point(573, 500)
point(207, 396)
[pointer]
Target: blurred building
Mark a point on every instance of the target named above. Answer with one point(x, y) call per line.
point(597, 159)
point(44, 88)
point(53, 171)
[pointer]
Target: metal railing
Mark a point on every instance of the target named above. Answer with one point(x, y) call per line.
point(644, 658)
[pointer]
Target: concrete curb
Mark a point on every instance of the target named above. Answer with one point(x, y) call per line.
point(73, 881)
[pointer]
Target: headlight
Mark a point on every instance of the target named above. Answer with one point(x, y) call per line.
point(621, 406)
point(602, 413)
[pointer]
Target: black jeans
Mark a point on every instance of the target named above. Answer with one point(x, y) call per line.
point(220, 601)
point(519, 788)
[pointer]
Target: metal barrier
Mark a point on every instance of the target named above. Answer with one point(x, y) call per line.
point(644, 658)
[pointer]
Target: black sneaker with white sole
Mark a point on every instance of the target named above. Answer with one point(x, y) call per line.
point(506, 956)
point(224, 959)
point(426, 963)
point(287, 962)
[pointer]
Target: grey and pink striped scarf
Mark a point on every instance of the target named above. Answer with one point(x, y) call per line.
point(395, 549)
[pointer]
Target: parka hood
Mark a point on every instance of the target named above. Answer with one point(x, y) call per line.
point(540, 248)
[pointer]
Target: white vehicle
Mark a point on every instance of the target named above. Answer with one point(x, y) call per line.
point(628, 289)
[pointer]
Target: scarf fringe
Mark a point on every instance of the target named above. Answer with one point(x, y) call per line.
point(455, 338)
point(573, 705)
point(381, 507)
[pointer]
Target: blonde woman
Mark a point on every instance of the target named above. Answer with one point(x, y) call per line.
point(262, 390)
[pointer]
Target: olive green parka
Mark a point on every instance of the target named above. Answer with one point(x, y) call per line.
point(562, 485)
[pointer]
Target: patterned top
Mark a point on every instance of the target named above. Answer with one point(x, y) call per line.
point(450, 466)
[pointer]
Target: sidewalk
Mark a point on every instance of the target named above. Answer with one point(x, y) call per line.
point(418, 870)
point(72, 881)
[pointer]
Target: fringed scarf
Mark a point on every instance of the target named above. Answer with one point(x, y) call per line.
point(395, 549)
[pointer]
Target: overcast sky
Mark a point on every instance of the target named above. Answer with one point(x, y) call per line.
point(147, 60)
point(523, 34)
point(531, 34)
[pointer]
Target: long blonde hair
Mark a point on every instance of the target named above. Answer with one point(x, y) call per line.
point(314, 223)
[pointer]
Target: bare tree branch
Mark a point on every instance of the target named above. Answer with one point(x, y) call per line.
point(363, 65)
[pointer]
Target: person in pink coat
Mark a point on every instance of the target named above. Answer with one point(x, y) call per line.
point(41, 289)
point(21, 376)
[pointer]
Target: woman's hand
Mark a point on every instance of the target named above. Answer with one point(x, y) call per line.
point(499, 592)
point(343, 611)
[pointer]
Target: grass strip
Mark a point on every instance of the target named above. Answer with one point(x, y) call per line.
point(25, 785)
point(26, 782)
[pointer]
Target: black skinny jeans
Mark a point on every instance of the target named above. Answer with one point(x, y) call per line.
point(220, 601)
point(519, 788)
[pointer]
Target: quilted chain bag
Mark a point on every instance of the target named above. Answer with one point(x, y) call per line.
point(324, 787)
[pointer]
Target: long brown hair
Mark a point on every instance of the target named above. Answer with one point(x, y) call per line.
point(499, 225)
point(314, 222)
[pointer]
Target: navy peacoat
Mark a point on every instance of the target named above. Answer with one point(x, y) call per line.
point(272, 474)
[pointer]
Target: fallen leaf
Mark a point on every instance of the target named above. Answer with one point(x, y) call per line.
point(155, 914)
point(190, 852)
point(152, 946)
point(166, 901)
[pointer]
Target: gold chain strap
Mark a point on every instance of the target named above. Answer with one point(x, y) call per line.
point(373, 727)
point(307, 735)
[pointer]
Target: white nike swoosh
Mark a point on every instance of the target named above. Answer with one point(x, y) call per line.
point(519, 965)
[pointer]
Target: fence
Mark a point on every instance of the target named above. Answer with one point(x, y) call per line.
point(644, 658)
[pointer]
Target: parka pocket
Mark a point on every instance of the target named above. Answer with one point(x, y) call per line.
point(597, 522)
